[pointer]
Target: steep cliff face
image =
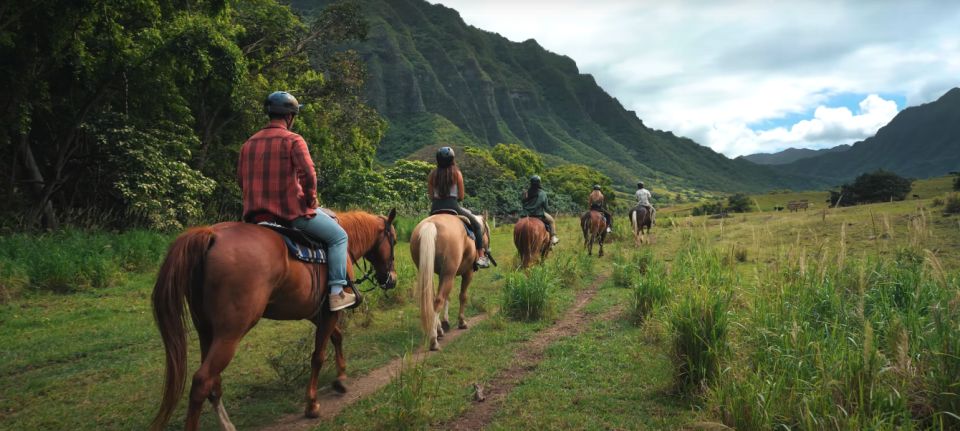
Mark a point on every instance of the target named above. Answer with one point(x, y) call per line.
point(439, 81)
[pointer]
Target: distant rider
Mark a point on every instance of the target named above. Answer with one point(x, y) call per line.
point(534, 201)
point(643, 198)
point(445, 188)
point(279, 183)
point(598, 202)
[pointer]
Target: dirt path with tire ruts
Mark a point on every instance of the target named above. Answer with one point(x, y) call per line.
point(525, 360)
point(575, 321)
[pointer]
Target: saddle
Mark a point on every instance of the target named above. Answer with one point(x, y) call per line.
point(466, 222)
point(301, 246)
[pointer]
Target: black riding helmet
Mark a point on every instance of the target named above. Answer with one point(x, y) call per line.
point(535, 180)
point(596, 186)
point(281, 103)
point(640, 184)
point(445, 156)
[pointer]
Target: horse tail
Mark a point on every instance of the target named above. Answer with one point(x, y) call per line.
point(428, 254)
point(525, 238)
point(180, 274)
point(634, 220)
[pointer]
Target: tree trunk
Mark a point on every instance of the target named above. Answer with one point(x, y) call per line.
point(43, 212)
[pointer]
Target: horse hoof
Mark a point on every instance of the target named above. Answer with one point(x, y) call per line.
point(462, 325)
point(445, 325)
point(338, 386)
point(434, 345)
point(313, 411)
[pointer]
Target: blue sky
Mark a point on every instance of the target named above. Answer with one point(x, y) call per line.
point(850, 101)
point(747, 76)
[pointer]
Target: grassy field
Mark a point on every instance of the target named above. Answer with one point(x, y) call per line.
point(840, 318)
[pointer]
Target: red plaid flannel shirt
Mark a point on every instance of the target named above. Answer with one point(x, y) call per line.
point(276, 174)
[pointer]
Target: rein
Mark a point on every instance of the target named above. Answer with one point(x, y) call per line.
point(370, 271)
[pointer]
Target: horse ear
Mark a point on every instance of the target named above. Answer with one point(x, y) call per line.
point(392, 215)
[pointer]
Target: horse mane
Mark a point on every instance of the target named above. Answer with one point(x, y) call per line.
point(362, 228)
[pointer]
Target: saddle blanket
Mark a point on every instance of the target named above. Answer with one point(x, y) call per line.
point(300, 246)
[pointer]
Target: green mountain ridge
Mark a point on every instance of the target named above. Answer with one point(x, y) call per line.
point(439, 81)
point(791, 155)
point(920, 142)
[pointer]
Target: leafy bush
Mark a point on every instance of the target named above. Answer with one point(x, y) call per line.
point(523, 162)
point(951, 204)
point(526, 295)
point(739, 203)
point(877, 186)
point(75, 260)
point(708, 208)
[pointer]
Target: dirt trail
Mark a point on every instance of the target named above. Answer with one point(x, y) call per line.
point(332, 403)
point(525, 362)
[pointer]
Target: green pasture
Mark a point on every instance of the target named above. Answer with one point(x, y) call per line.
point(827, 318)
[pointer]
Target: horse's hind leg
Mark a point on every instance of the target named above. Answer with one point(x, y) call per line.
point(464, 283)
point(326, 324)
point(443, 301)
point(602, 237)
point(207, 383)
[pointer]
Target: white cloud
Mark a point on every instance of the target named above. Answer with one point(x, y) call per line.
point(707, 69)
point(829, 127)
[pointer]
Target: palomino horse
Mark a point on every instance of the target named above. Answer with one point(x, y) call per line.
point(440, 244)
point(232, 274)
point(594, 227)
point(640, 219)
point(532, 239)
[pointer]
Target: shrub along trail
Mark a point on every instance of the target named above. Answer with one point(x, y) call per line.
point(575, 321)
point(332, 403)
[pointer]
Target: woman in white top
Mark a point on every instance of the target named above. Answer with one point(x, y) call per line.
point(445, 187)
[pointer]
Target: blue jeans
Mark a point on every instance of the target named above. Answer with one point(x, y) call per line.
point(326, 229)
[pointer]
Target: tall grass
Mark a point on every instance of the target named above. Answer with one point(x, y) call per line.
point(846, 343)
point(74, 260)
point(628, 265)
point(409, 397)
point(650, 290)
point(527, 295)
point(699, 324)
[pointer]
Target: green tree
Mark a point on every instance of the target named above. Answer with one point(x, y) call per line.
point(523, 162)
point(408, 179)
point(739, 203)
point(576, 181)
point(877, 186)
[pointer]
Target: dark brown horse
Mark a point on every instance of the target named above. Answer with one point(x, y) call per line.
point(531, 238)
point(232, 275)
point(640, 219)
point(594, 226)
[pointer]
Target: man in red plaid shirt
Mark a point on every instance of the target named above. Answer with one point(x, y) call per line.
point(279, 182)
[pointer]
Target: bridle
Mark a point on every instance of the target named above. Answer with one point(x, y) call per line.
point(370, 270)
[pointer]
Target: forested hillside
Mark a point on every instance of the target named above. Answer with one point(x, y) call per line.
point(920, 142)
point(439, 81)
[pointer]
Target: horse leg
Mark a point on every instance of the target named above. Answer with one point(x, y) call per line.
point(445, 322)
point(337, 339)
point(603, 236)
point(326, 323)
point(446, 284)
point(207, 384)
point(464, 283)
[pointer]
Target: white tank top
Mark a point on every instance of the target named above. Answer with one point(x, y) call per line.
point(454, 192)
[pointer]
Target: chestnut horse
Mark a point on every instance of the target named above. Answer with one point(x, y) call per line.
point(440, 244)
point(640, 219)
point(232, 275)
point(594, 226)
point(532, 239)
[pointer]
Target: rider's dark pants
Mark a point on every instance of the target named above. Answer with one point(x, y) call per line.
point(451, 204)
point(606, 214)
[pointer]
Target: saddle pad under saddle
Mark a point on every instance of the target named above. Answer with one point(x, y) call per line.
point(301, 247)
point(466, 222)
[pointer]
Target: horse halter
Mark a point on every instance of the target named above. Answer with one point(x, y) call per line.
point(370, 270)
